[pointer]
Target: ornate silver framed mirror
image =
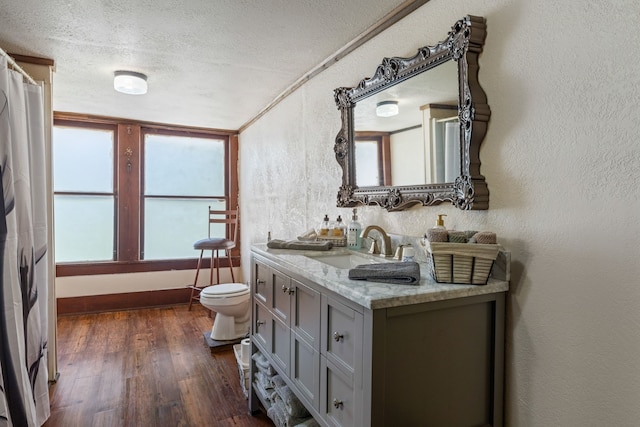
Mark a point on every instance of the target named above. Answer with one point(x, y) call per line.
point(411, 133)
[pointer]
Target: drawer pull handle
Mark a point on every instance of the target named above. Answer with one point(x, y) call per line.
point(286, 290)
point(337, 403)
point(337, 336)
point(260, 282)
point(259, 323)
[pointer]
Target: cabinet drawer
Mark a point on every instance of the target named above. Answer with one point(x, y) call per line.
point(339, 404)
point(341, 335)
point(261, 283)
point(261, 325)
point(281, 339)
point(305, 371)
point(282, 293)
point(305, 314)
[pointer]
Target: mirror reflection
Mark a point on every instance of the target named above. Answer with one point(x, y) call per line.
point(409, 134)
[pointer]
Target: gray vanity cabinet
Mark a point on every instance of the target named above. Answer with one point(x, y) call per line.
point(436, 363)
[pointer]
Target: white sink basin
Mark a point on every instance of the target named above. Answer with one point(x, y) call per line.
point(346, 261)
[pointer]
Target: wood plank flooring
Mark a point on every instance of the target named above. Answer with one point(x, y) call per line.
point(147, 367)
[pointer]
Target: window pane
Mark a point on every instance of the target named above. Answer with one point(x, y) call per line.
point(83, 159)
point(84, 228)
point(172, 226)
point(183, 166)
point(367, 172)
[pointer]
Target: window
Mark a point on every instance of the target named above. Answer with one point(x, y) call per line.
point(84, 193)
point(135, 196)
point(183, 175)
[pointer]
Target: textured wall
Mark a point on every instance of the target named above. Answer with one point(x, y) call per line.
point(561, 160)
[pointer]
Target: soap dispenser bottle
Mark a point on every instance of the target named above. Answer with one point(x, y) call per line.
point(354, 241)
point(339, 230)
point(324, 226)
point(440, 222)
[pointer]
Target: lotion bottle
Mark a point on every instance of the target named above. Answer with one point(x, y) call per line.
point(354, 241)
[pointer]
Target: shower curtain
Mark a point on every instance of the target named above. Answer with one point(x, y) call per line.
point(24, 398)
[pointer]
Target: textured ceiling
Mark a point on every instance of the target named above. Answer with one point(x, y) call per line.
point(210, 63)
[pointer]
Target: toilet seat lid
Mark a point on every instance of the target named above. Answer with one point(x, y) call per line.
point(225, 289)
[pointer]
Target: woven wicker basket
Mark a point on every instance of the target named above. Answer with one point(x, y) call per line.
point(461, 263)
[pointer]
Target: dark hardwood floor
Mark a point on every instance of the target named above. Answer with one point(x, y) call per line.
point(146, 367)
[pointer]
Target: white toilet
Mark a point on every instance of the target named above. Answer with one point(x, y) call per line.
point(230, 302)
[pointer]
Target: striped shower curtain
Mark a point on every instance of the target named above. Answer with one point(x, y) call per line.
point(24, 399)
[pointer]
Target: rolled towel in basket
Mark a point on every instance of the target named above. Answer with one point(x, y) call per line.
point(485, 237)
point(403, 273)
point(299, 245)
point(457, 236)
point(470, 233)
point(437, 235)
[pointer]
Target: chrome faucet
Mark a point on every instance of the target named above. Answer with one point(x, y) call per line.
point(386, 240)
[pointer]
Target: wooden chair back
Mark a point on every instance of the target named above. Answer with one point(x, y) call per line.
point(227, 217)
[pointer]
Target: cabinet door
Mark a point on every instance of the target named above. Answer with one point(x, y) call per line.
point(280, 349)
point(282, 293)
point(261, 283)
point(305, 370)
point(261, 326)
point(342, 335)
point(305, 314)
point(340, 405)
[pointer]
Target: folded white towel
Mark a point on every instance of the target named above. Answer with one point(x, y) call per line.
point(292, 404)
point(277, 382)
point(283, 417)
point(263, 364)
point(310, 422)
point(263, 379)
point(266, 395)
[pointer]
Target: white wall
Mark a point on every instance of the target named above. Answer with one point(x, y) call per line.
point(79, 286)
point(561, 159)
point(408, 158)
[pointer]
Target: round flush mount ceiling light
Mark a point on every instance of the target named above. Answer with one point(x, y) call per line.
point(130, 82)
point(386, 108)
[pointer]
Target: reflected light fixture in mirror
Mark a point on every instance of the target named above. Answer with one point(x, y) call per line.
point(387, 109)
point(130, 82)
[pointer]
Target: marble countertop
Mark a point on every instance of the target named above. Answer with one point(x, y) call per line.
point(372, 295)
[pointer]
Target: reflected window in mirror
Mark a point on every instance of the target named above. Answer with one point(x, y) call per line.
point(372, 151)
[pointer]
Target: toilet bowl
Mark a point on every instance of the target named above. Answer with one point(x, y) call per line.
point(230, 302)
